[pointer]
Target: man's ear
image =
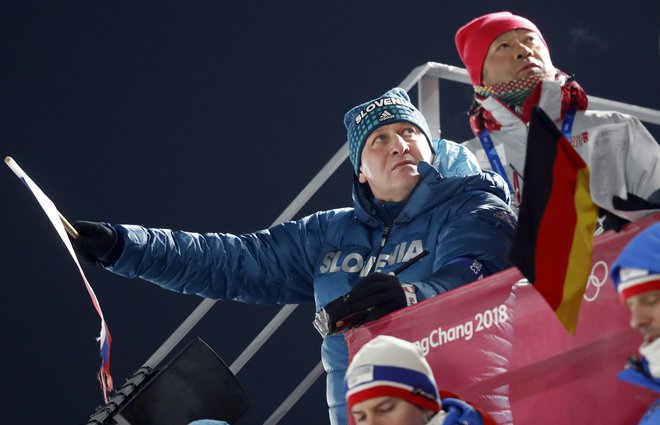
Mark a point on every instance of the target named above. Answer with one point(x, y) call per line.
point(361, 177)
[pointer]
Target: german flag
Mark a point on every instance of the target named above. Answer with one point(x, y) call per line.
point(552, 246)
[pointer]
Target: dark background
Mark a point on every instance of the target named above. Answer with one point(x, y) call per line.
point(212, 116)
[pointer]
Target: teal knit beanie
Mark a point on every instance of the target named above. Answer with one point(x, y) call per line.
point(392, 107)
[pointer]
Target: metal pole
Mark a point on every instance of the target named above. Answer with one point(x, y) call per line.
point(287, 404)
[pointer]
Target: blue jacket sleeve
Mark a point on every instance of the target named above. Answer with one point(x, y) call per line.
point(473, 244)
point(270, 266)
point(460, 412)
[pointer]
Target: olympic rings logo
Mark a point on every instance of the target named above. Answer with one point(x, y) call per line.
point(597, 278)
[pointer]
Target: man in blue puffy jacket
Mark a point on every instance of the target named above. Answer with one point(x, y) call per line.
point(411, 197)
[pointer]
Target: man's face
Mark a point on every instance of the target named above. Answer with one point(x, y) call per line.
point(389, 160)
point(645, 314)
point(387, 411)
point(514, 55)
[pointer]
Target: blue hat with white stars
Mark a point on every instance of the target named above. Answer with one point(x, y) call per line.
point(392, 107)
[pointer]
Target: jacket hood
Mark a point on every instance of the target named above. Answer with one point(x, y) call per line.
point(433, 189)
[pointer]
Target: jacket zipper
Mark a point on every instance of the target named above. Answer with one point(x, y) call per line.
point(386, 231)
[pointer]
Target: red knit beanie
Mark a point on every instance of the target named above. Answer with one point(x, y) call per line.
point(474, 38)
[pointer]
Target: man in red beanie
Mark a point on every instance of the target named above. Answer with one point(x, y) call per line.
point(509, 64)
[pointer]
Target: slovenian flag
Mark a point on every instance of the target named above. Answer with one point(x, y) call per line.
point(553, 243)
point(104, 338)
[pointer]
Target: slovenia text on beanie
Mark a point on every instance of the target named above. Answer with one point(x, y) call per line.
point(392, 107)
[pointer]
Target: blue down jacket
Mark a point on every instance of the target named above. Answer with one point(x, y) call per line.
point(637, 373)
point(464, 221)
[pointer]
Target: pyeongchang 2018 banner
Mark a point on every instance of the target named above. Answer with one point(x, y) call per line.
point(497, 344)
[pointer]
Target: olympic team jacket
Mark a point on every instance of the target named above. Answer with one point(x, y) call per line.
point(622, 155)
point(464, 221)
point(637, 373)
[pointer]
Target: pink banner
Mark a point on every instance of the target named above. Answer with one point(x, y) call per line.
point(497, 344)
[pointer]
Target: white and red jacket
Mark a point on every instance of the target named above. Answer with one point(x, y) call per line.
point(621, 154)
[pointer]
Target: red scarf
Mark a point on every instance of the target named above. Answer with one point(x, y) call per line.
point(572, 97)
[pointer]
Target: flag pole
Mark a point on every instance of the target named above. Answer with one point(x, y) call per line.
point(68, 227)
point(18, 171)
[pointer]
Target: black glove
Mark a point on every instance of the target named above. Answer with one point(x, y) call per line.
point(371, 298)
point(96, 243)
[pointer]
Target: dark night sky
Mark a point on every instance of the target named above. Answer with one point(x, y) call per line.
point(212, 116)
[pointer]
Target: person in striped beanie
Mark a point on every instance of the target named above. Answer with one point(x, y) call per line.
point(389, 382)
point(636, 276)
